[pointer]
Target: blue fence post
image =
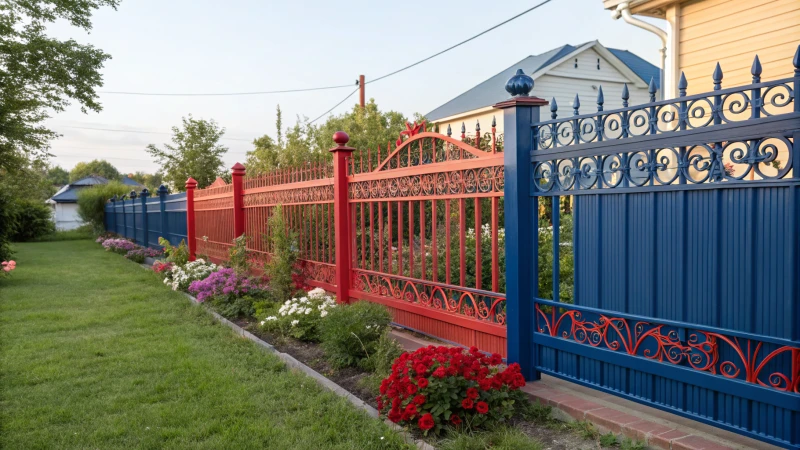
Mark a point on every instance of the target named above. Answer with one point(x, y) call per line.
point(145, 228)
point(124, 217)
point(133, 216)
point(162, 198)
point(520, 112)
point(112, 222)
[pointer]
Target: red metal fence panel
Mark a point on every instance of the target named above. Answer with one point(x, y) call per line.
point(419, 228)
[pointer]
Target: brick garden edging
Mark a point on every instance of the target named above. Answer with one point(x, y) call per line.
point(570, 407)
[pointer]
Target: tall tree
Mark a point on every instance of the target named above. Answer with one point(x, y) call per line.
point(57, 176)
point(195, 152)
point(40, 74)
point(99, 167)
point(151, 180)
point(264, 157)
point(279, 125)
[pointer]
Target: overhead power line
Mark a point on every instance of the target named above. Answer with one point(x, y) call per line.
point(460, 43)
point(341, 86)
point(334, 106)
point(140, 132)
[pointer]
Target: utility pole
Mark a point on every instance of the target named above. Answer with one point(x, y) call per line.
point(361, 91)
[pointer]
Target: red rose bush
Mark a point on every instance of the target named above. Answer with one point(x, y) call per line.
point(435, 387)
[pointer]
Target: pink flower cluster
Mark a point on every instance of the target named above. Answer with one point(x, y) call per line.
point(119, 245)
point(223, 282)
point(8, 266)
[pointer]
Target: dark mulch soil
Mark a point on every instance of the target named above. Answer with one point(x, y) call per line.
point(553, 434)
point(312, 356)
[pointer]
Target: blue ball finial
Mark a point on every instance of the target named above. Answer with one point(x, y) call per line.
point(520, 85)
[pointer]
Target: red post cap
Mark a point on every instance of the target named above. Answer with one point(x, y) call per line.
point(191, 183)
point(341, 138)
point(238, 168)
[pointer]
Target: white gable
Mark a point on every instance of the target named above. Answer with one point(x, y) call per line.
point(589, 65)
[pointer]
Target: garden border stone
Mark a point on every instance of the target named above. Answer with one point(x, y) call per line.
point(292, 362)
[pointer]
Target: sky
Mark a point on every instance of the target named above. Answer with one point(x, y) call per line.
point(205, 46)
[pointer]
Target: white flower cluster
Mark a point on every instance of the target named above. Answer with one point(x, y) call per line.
point(486, 232)
point(316, 299)
point(181, 277)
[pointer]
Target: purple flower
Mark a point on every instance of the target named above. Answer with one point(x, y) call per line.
point(223, 282)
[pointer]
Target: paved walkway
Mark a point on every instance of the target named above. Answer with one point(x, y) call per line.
point(660, 429)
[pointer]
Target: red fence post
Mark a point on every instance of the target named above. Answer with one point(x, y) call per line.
point(237, 177)
point(191, 184)
point(341, 218)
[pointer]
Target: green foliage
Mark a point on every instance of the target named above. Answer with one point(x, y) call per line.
point(177, 255)
point(195, 152)
point(57, 176)
point(608, 440)
point(32, 220)
point(151, 181)
point(281, 265)
point(629, 444)
point(97, 167)
point(387, 350)
point(350, 334)
point(235, 307)
point(92, 203)
point(537, 412)
point(367, 127)
point(237, 256)
point(28, 182)
point(566, 260)
point(41, 74)
point(585, 429)
point(6, 225)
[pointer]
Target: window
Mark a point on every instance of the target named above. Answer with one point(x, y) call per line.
point(598, 63)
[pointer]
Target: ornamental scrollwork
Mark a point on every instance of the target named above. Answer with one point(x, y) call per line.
point(486, 307)
point(756, 362)
point(468, 181)
point(300, 195)
point(768, 158)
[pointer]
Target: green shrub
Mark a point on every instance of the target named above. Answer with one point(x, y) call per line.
point(237, 256)
point(350, 335)
point(179, 255)
point(387, 350)
point(6, 224)
point(32, 220)
point(281, 265)
point(234, 307)
point(92, 203)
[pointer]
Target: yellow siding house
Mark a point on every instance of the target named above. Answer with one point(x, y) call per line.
point(701, 32)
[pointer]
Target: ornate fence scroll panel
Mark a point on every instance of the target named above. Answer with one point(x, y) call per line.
point(686, 253)
point(420, 219)
point(306, 197)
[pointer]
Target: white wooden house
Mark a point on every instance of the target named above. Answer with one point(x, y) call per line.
point(559, 73)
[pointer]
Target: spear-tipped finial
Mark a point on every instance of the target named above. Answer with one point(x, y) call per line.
point(652, 89)
point(494, 121)
point(796, 61)
point(553, 109)
point(519, 85)
point(682, 85)
point(756, 70)
point(576, 105)
point(600, 99)
point(449, 130)
point(478, 125)
point(463, 128)
point(163, 190)
point(625, 95)
point(717, 77)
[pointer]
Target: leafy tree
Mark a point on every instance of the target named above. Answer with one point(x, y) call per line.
point(32, 219)
point(264, 157)
point(97, 167)
point(40, 74)
point(28, 182)
point(151, 181)
point(57, 176)
point(195, 152)
point(92, 202)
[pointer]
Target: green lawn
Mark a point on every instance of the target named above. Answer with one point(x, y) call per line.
point(97, 353)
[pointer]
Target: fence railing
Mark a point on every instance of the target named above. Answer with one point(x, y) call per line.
point(685, 250)
point(143, 218)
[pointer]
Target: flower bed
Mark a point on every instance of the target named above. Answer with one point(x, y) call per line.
point(180, 277)
point(121, 246)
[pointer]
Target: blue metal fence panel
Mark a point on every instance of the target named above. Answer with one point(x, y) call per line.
point(166, 217)
point(686, 255)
